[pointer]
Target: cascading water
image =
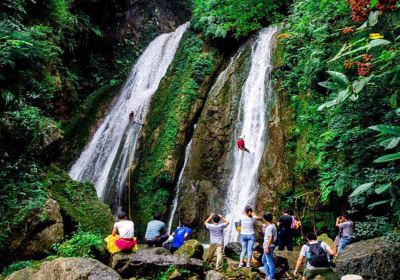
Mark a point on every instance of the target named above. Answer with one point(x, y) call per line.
point(178, 184)
point(251, 122)
point(106, 159)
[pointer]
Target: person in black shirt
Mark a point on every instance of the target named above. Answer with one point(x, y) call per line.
point(285, 231)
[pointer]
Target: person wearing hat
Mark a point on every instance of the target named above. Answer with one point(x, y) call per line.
point(241, 145)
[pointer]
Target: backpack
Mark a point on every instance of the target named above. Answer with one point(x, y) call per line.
point(317, 256)
point(294, 224)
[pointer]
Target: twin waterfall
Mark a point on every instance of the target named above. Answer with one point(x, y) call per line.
point(106, 159)
point(252, 123)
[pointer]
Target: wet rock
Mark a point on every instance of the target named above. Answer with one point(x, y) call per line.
point(68, 268)
point(191, 249)
point(233, 250)
point(214, 275)
point(372, 259)
point(152, 261)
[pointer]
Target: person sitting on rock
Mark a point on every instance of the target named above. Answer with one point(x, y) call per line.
point(318, 262)
point(216, 238)
point(155, 233)
point(181, 234)
point(241, 145)
point(125, 229)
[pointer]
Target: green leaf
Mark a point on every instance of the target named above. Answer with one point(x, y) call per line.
point(327, 105)
point(383, 188)
point(389, 157)
point(377, 42)
point(387, 129)
point(329, 85)
point(372, 205)
point(339, 77)
point(359, 85)
point(393, 143)
point(361, 188)
point(343, 95)
point(373, 3)
point(373, 18)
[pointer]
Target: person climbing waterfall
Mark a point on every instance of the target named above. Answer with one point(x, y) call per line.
point(131, 116)
point(241, 145)
point(125, 229)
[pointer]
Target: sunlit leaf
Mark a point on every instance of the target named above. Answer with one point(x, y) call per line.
point(389, 157)
point(382, 188)
point(362, 188)
point(329, 85)
point(393, 143)
point(377, 42)
point(387, 129)
point(373, 18)
point(339, 77)
point(372, 205)
point(359, 85)
point(373, 3)
point(327, 105)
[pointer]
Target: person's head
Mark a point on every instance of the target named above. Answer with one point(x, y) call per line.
point(185, 224)
point(157, 216)
point(248, 210)
point(285, 211)
point(311, 236)
point(344, 218)
point(268, 217)
point(259, 249)
point(216, 218)
point(121, 215)
point(290, 212)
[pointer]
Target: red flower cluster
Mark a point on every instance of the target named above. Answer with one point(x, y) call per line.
point(348, 30)
point(348, 64)
point(363, 69)
point(386, 5)
point(367, 57)
point(360, 8)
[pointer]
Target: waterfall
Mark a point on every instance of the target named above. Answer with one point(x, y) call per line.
point(178, 184)
point(252, 122)
point(105, 161)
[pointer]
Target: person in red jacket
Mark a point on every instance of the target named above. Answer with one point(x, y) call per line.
point(241, 145)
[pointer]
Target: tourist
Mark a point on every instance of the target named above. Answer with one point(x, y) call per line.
point(125, 230)
point(247, 235)
point(270, 238)
point(241, 145)
point(346, 227)
point(318, 261)
point(155, 233)
point(216, 238)
point(285, 231)
point(181, 234)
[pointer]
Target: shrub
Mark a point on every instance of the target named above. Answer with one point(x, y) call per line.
point(16, 266)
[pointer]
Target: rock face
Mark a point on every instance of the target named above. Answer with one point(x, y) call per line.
point(214, 275)
point(191, 249)
point(233, 250)
point(206, 174)
point(151, 261)
point(34, 238)
point(376, 259)
point(68, 268)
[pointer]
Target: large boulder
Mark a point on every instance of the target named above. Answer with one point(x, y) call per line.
point(376, 259)
point(214, 275)
point(149, 262)
point(68, 268)
point(191, 249)
point(233, 250)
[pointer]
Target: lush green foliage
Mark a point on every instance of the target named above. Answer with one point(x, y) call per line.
point(16, 266)
point(82, 244)
point(222, 18)
point(185, 84)
point(328, 62)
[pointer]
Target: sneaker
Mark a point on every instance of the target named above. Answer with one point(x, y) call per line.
point(241, 265)
point(248, 265)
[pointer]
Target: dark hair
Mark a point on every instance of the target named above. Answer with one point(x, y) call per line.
point(286, 211)
point(157, 216)
point(259, 249)
point(311, 236)
point(216, 218)
point(248, 210)
point(345, 216)
point(268, 217)
point(121, 215)
point(290, 212)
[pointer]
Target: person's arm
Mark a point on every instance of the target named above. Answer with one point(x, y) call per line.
point(269, 242)
point(298, 264)
point(208, 219)
point(114, 231)
point(186, 236)
point(224, 220)
point(255, 216)
point(337, 221)
point(329, 250)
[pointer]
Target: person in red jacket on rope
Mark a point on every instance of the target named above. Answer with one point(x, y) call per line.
point(241, 145)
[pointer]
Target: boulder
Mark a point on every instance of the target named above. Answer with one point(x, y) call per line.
point(191, 249)
point(325, 238)
point(233, 249)
point(376, 259)
point(214, 275)
point(351, 277)
point(149, 262)
point(68, 268)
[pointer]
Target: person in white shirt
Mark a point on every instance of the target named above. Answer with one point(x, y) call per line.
point(270, 237)
point(125, 230)
point(247, 235)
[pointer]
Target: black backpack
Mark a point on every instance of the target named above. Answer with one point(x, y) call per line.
point(317, 255)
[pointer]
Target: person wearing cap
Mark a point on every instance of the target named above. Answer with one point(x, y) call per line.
point(241, 145)
point(125, 229)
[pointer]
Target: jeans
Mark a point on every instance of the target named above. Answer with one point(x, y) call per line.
point(285, 239)
point(269, 265)
point(343, 242)
point(247, 241)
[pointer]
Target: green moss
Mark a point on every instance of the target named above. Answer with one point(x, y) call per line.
point(79, 202)
point(172, 107)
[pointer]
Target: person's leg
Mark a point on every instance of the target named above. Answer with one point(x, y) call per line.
point(290, 240)
point(281, 244)
point(329, 274)
point(270, 263)
point(342, 244)
point(266, 267)
point(218, 251)
point(211, 251)
point(250, 245)
point(162, 239)
point(309, 274)
point(243, 241)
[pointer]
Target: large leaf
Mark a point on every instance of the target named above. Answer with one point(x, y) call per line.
point(329, 85)
point(387, 129)
point(373, 18)
point(372, 205)
point(343, 95)
point(373, 3)
point(339, 77)
point(383, 188)
point(327, 105)
point(358, 85)
point(361, 188)
point(389, 157)
point(393, 143)
point(377, 42)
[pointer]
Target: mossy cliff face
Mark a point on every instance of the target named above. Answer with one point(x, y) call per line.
point(205, 179)
point(168, 127)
